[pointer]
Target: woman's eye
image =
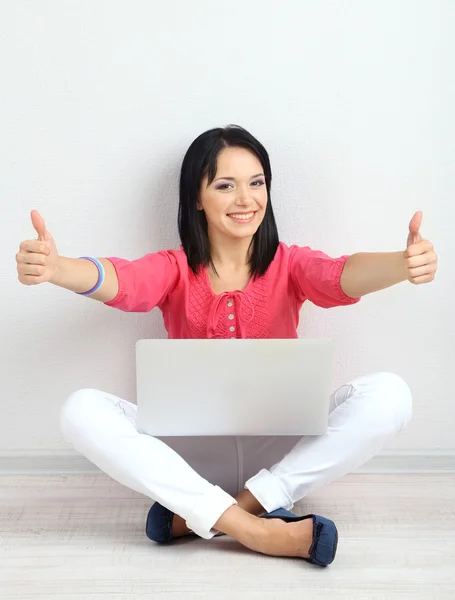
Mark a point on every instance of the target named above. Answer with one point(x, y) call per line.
point(223, 186)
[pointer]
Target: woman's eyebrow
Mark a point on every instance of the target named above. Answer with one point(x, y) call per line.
point(233, 178)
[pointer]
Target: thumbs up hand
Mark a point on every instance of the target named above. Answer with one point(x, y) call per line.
point(37, 260)
point(421, 259)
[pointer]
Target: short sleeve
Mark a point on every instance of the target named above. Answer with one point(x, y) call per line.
point(144, 283)
point(316, 277)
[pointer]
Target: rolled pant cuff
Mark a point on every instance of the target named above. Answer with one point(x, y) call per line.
point(266, 489)
point(207, 512)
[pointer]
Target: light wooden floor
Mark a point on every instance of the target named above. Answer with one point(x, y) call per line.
point(82, 537)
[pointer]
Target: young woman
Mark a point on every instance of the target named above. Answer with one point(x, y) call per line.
point(232, 278)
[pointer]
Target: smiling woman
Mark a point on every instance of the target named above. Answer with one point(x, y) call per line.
point(232, 278)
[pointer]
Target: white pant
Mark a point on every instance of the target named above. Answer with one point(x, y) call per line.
point(197, 477)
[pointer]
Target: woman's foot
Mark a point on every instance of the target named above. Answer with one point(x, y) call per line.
point(288, 539)
point(267, 536)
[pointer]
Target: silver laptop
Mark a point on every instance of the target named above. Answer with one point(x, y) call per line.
point(233, 386)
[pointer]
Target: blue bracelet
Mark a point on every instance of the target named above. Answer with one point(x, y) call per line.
point(100, 276)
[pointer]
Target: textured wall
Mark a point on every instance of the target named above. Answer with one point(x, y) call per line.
point(354, 101)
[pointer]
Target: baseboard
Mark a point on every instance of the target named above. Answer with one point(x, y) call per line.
point(64, 462)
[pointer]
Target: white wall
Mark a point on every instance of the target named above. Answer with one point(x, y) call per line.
point(354, 101)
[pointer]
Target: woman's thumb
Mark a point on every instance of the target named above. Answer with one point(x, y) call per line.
point(40, 227)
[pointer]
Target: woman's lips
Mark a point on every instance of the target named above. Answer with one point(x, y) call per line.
point(242, 217)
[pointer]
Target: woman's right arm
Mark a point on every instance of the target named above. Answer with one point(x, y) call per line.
point(81, 275)
point(133, 286)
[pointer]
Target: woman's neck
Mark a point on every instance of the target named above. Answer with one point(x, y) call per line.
point(231, 253)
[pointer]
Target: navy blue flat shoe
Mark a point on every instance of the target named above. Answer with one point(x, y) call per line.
point(325, 535)
point(159, 524)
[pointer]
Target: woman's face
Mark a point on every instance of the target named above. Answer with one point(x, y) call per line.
point(235, 202)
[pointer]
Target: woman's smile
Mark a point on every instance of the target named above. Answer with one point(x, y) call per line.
point(245, 217)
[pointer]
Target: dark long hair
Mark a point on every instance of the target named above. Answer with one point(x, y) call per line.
point(200, 160)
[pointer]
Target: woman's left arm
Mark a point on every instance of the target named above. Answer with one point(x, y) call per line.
point(367, 272)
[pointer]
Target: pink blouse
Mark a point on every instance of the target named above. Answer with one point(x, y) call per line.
point(267, 308)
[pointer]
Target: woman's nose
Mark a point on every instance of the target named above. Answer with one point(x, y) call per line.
point(243, 197)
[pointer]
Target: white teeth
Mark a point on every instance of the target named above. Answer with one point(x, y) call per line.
point(242, 217)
